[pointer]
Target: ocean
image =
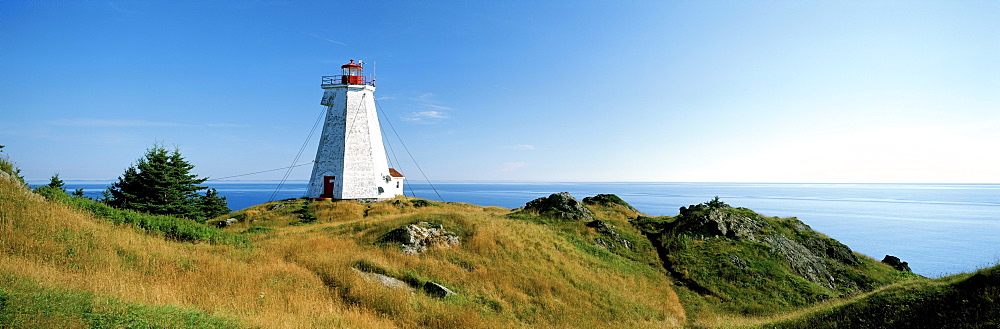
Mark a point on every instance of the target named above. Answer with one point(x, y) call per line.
point(939, 229)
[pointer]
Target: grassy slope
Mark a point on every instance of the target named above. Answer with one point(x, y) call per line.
point(508, 272)
point(970, 300)
point(63, 267)
point(54, 250)
point(718, 292)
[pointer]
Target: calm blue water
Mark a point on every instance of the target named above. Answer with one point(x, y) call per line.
point(938, 228)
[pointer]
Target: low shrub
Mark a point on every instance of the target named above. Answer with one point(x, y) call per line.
point(179, 229)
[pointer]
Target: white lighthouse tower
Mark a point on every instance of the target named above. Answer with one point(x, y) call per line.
point(350, 161)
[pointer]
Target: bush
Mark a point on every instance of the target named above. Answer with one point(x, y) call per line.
point(179, 229)
point(8, 167)
point(716, 203)
point(418, 203)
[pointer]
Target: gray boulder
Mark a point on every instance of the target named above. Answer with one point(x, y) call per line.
point(737, 261)
point(436, 290)
point(417, 238)
point(226, 222)
point(385, 280)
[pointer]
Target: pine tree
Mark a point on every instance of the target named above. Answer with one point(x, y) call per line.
point(162, 183)
point(55, 182)
point(211, 205)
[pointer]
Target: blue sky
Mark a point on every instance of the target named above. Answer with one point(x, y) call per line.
point(735, 91)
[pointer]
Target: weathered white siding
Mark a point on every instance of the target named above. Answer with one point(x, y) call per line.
point(351, 148)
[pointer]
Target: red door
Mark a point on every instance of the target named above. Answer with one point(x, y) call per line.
point(328, 186)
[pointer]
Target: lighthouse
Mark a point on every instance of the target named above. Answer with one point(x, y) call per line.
point(350, 160)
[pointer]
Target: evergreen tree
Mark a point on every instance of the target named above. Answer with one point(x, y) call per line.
point(212, 205)
point(716, 203)
point(55, 182)
point(161, 183)
point(53, 190)
point(78, 192)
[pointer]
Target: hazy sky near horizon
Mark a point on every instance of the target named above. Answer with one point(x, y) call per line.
point(701, 91)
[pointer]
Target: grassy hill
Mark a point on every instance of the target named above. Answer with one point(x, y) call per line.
point(299, 272)
point(71, 262)
point(733, 261)
point(969, 300)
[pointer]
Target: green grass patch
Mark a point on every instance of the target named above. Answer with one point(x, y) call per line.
point(25, 304)
point(174, 228)
point(744, 276)
point(959, 301)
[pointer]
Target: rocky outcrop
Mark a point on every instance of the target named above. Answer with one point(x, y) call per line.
point(831, 248)
point(560, 205)
point(417, 238)
point(747, 243)
point(608, 200)
point(704, 222)
point(804, 262)
point(610, 239)
point(896, 263)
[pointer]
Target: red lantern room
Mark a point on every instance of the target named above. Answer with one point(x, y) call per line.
point(352, 74)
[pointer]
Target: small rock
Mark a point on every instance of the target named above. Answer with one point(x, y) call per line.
point(896, 263)
point(226, 222)
point(738, 262)
point(437, 290)
point(385, 280)
point(616, 240)
point(418, 203)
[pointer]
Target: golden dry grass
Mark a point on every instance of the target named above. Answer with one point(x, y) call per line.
point(58, 246)
point(507, 272)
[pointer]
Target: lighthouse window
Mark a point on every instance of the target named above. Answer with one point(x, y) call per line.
point(381, 190)
point(397, 184)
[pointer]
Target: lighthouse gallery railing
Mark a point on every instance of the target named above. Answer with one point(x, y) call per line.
point(330, 80)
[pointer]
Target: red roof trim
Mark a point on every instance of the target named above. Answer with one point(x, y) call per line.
point(394, 173)
point(351, 65)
